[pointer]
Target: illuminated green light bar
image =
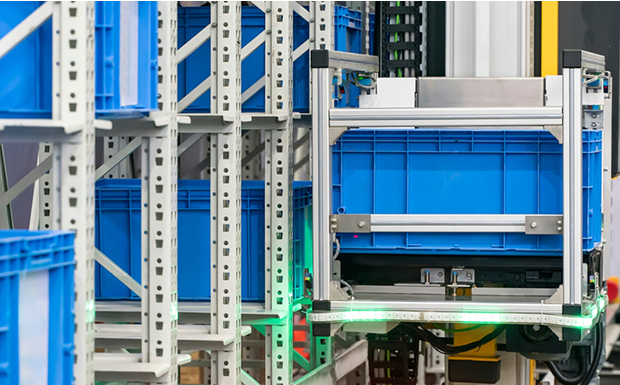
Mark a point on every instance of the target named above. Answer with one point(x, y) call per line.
point(583, 322)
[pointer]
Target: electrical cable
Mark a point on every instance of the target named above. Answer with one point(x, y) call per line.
point(442, 347)
point(337, 252)
point(457, 330)
point(584, 376)
point(346, 284)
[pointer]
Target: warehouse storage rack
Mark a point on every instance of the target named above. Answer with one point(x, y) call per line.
point(64, 198)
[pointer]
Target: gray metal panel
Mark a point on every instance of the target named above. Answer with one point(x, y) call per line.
point(481, 92)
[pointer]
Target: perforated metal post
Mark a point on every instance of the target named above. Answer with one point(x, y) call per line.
point(159, 210)
point(74, 164)
point(111, 146)
point(226, 189)
point(278, 192)
point(46, 192)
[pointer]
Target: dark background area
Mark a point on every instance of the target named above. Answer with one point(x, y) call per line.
point(594, 26)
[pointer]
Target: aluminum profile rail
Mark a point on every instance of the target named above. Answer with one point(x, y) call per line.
point(494, 117)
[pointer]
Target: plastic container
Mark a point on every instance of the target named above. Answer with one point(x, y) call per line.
point(197, 67)
point(117, 235)
point(348, 38)
point(125, 68)
point(37, 299)
point(460, 172)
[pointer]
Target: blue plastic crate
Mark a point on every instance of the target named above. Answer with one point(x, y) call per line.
point(37, 299)
point(460, 172)
point(348, 38)
point(125, 69)
point(301, 66)
point(302, 235)
point(117, 235)
point(197, 67)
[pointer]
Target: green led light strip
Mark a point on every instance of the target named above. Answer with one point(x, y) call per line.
point(583, 322)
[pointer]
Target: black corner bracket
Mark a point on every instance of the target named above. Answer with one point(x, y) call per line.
point(571, 58)
point(319, 58)
point(321, 330)
point(321, 305)
point(571, 310)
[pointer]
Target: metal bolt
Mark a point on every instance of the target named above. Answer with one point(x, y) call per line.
point(268, 10)
point(559, 229)
point(361, 224)
point(213, 25)
point(469, 275)
point(440, 274)
point(268, 32)
point(536, 328)
point(559, 222)
point(594, 116)
point(606, 169)
point(593, 124)
point(533, 224)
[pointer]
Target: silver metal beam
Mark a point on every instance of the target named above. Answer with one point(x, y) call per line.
point(462, 223)
point(26, 181)
point(195, 42)
point(119, 273)
point(30, 24)
point(572, 187)
point(446, 117)
point(118, 157)
point(321, 184)
point(342, 364)
point(353, 61)
point(189, 142)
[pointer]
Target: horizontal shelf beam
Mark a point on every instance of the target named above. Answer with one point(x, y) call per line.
point(460, 223)
point(531, 117)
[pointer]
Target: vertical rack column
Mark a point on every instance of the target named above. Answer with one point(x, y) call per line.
point(279, 192)
point(159, 210)
point(226, 189)
point(573, 195)
point(73, 179)
point(322, 37)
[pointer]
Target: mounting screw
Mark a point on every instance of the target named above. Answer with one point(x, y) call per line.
point(593, 124)
point(469, 275)
point(361, 224)
point(536, 328)
point(559, 229)
point(533, 224)
point(440, 274)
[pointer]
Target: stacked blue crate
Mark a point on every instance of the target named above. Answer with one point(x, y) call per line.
point(118, 235)
point(460, 172)
point(37, 307)
point(348, 38)
point(125, 68)
point(196, 67)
